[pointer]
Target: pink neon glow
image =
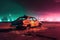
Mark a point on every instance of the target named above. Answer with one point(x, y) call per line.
point(50, 17)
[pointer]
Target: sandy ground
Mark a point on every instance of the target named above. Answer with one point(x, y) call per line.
point(49, 31)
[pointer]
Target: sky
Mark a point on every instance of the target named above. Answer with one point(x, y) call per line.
point(9, 7)
point(44, 9)
point(47, 10)
point(57, 0)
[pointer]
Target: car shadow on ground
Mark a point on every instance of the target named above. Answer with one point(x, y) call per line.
point(5, 30)
point(10, 29)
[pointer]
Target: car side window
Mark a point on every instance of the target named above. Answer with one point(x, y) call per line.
point(30, 19)
point(34, 19)
point(22, 19)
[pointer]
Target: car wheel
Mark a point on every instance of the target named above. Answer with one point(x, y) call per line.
point(40, 24)
point(28, 26)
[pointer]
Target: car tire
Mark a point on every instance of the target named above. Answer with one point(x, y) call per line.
point(28, 26)
point(40, 24)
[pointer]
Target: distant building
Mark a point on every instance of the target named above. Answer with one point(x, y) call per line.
point(9, 17)
point(4, 19)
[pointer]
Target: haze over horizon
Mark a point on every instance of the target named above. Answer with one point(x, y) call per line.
point(41, 8)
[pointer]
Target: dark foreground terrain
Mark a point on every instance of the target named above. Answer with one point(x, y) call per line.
point(52, 32)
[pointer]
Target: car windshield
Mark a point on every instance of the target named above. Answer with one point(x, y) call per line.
point(32, 18)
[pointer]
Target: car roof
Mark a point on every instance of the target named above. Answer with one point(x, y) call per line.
point(26, 17)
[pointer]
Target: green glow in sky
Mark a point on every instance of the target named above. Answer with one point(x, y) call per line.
point(9, 7)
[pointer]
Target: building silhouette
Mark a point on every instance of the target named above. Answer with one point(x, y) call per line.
point(4, 19)
point(9, 17)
